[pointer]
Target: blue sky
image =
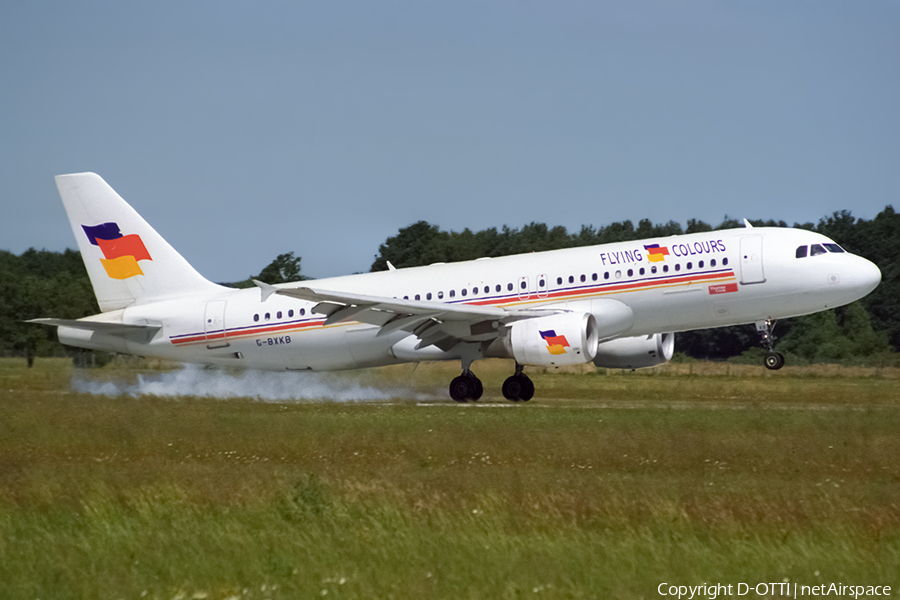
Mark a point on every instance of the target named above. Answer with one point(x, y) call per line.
point(244, 130)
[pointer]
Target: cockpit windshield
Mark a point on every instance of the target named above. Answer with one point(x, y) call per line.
point(817, 250)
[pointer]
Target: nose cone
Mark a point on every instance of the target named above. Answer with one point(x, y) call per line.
point(864, 277)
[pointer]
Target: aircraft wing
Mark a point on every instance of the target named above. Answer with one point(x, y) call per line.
point(437, 323)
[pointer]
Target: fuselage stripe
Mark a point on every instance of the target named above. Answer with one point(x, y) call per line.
point(562, 294)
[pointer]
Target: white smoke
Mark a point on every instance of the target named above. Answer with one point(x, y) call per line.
point(194, 380)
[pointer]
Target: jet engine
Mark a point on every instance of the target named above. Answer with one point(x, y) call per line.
point(562, 339)
point(636, 352)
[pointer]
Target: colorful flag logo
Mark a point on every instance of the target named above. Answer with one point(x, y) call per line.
point(556, 344)
point(655, 253)
point(121, 252)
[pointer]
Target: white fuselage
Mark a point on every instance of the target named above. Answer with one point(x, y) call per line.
point(705, 280)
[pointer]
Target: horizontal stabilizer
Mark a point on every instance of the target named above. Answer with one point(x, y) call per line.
point(138, 333)
point(123, 329)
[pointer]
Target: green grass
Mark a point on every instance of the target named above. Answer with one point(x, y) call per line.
point(610, 486)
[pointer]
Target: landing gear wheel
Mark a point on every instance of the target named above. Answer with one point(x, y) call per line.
point(527, 388)
point(518, 387)
point(478, 389)
point(774, 361)
point(512, 388)
point(466, 387)
point(461, 387)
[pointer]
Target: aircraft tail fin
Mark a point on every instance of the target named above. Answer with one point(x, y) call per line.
point(127, 260)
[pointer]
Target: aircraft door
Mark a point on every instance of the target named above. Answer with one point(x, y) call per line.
point(752, 260)
point(543, 286)
point(214, 324)
point(522, 289)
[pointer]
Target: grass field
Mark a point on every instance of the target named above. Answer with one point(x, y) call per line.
point(604, 486)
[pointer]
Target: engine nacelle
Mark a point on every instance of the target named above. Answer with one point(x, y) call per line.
point(636, 352)
point(562, 339)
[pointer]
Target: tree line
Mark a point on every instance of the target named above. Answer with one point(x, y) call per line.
point(40, 283)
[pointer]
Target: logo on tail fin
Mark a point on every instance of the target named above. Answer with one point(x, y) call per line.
point(556, 344)
point(121, 252)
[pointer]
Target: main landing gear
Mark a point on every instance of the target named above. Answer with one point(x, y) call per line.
point(518, 386)
point(467, 387)
point(773, 360)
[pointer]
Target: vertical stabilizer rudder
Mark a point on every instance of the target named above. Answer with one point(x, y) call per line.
point(127, 261)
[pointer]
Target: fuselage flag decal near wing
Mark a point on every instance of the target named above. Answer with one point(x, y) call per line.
point(616, 305)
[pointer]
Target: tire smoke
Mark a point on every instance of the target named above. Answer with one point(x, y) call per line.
point(198, 381)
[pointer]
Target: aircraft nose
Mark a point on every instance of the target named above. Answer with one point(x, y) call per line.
point(865, 276)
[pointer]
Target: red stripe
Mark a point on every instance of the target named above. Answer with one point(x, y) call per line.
point(245, 333)
point(683, 279)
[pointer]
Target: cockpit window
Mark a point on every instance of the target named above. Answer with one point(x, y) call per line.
point(801, 251)
point(816, 249)
point(834, 248)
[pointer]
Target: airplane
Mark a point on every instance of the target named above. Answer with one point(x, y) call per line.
point(616, 305)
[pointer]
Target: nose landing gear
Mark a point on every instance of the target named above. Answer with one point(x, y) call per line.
point(773, 360)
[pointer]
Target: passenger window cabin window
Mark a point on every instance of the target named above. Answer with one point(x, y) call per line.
point(302, 311)
point(641, 272)
point(291, 313)
point(542, 283)
point(593, 277)
point(559, 281)
point(712, 262)
point(474, 291)
point(440, 295)
point(583, 278)
point(268, 316)
point(834, 248)
point(606, 275)
point(618, 274)
point(631, 272)
point(700, 265)
point(678, 267)
point(464, 291)
point(487, 289)
point(724, 262)
point(665, 268)
point(509, 287)
point(256, 317)
point(278, 315)
point(653, 269)
point(522, 285)
point(801, 252)
point(418, 297)
point(689, 266)
point(428, 296)
point(571, 279)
